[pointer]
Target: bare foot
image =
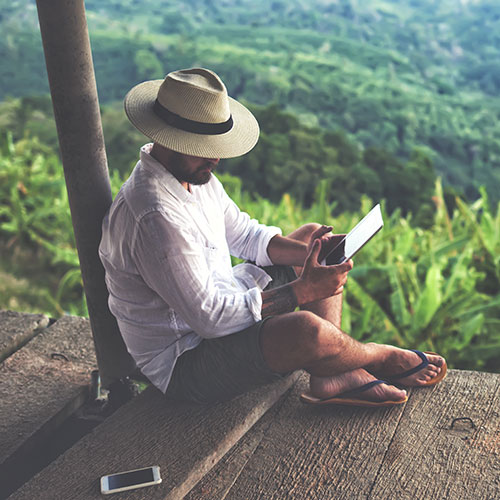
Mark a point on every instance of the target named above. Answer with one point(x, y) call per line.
point(398, 361)
point(326, 387)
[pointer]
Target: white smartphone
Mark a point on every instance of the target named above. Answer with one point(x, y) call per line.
point(129, 480)
point(361, 234)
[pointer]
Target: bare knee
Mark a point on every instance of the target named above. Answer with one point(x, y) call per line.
point(315, 336)
point(319, 335)
point(308, 323)
point(298, 340)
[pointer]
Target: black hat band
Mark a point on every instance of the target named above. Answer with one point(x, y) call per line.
point(187, 125)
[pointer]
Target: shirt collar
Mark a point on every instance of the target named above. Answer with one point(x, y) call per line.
point(164, 177)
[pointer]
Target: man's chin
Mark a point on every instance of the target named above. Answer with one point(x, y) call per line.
point(201, 178)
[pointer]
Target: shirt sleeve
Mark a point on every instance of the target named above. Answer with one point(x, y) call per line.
point(247, 239)
point(176, 267)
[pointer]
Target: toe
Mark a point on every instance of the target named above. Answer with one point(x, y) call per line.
point(432, 371)
point(426, 374)
point(435, 360)
point(386, 392)
point(399, 394)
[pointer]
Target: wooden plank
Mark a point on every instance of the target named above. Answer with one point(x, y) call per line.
point(185, 440)
point(221, 478)
point(318, 452)
point(432, 455)
point(16, 329)
point(40, 386)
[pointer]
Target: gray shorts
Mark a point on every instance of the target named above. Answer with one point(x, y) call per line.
point(219, 369)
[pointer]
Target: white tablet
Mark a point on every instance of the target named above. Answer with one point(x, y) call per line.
point(362, 233)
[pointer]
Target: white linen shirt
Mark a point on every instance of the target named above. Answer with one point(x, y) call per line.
point(166, 252)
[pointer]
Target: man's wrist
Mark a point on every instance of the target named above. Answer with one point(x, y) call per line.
point(303, 292)
point(279, 300)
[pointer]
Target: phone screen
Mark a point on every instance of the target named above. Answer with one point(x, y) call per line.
point(131, 478)
point(357, 237)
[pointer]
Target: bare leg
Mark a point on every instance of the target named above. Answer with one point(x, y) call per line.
point(312, 340)
point(330, 309)
point(303, 340)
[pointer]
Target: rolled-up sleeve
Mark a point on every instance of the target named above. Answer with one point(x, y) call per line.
point(176, 267)
point(246, 237)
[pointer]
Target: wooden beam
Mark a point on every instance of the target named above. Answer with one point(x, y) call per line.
point(17, 329)
point(73, 89)
point(41, 385)
point(185, 440)
point(443, 443)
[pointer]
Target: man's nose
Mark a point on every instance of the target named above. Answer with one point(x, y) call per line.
point(215, 161)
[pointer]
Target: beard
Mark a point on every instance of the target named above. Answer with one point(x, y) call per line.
point(200, 176)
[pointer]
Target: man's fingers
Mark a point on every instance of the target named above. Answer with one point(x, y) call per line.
point(316, 248)
point(321, 232)
point(345, 267)
point(348, 265)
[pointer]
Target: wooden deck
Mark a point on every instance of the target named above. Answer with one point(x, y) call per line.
point(444, 443)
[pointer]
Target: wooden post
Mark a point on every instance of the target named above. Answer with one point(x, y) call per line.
point(68, 57)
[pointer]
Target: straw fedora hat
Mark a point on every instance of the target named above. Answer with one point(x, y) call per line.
point(190, 112)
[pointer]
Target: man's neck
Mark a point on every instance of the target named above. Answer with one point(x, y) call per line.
point(160, 155)
point(163, 156)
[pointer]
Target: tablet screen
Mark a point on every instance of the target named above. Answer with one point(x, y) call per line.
point(357, 237)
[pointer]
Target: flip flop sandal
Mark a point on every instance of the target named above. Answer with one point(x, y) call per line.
point(345, 397)
point(421, 366)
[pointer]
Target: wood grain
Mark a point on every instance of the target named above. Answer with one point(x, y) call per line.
point(318, 452)
point(185, 440)
point(44, 382)
point(16, 329)
point(216, 484)
point(432, 455)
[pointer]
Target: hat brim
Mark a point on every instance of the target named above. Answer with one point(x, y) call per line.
point(236, 142)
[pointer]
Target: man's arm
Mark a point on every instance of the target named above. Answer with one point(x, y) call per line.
point(174, 265)
point(315, 283)
point(288, 251)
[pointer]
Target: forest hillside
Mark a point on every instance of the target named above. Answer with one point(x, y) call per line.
point(397, 74)
point(359, 102)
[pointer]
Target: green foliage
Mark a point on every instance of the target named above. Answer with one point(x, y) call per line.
point(36, 232)
point(382, 93)
point(293, 158)
point(289, 157)
point(28, 117)
point(392, 74)
point(433, 289)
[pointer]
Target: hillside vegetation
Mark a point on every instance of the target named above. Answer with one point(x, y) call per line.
point(434, 289)
point(396, 74)
point(358, 102)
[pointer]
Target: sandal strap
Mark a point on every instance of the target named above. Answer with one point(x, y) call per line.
point(362, 388)
point(416, 369)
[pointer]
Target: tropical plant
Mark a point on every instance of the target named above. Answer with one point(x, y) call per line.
point(436, 289)
point(432, 289)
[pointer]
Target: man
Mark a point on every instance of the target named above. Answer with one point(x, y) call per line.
point(198, 328)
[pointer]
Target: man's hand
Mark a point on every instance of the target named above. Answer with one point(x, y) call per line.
point(316, 281)
point(328, 241)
